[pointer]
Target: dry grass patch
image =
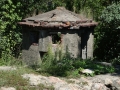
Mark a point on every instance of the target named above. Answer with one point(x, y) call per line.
point(14, 79)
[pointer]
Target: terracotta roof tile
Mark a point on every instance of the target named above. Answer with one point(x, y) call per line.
point(60, 17)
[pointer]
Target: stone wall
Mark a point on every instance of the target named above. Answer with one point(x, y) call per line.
point(70, 42)
point(79, 43)
point(87, 41)
point(30, 52)
point(31, 56)
point(44, 41)
point(90, 44)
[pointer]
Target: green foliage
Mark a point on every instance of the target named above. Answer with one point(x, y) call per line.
point(13, 78)
point(96, 67)
point(11, 62)
point(107, 41)
point(64, 65)
point(12, 11)
point(111, 16)
point(47, 60)
point(116, 60)
point(56, 64)
point(9, 32)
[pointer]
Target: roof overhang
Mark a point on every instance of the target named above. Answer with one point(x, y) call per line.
point(58, 18)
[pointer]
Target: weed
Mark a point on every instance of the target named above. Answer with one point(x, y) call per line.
point(62, 64)
point(14, 79)
point(67, 66)
point(11, 61)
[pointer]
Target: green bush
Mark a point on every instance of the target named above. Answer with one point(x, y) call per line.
point(107, 40)
point(56, 66)
point(67, 66)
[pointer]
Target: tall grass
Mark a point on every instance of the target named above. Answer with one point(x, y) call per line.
point(11, 61)
point(13, 78)
point(61, 64)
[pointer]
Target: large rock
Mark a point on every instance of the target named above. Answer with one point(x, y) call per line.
point(116, 84)
point(87, 71)
point(98, 86)
point(109, 82)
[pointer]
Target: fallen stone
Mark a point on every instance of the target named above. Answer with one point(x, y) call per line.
point(87, 71)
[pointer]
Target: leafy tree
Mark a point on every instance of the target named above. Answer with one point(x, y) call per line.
point(12, 11)
point(9, 31)
point(107, 35)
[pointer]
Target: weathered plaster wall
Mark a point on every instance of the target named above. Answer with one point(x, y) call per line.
point(90, 44)
point(72, 43)
point(31, 56)
point(87, 43)
point(30, 53)
point(84, 39)
point(44, 41)
point(79, 43)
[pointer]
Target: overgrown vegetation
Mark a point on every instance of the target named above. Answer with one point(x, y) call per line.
point(107, 41)
point(11, 62)
point(12, 11)
point(59, 64)
point(13, 78)
point(9, 32)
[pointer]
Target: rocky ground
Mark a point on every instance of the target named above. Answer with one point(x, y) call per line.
point(98, 82)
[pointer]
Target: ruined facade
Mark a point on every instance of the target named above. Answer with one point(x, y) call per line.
point(57, 27)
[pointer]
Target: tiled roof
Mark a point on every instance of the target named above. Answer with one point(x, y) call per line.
point(58, 18)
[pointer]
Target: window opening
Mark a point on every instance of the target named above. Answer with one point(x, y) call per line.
point(42, 54)
point(56, 37)
point(34, 37)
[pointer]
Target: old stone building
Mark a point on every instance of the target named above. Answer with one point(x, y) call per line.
point(60, 26)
